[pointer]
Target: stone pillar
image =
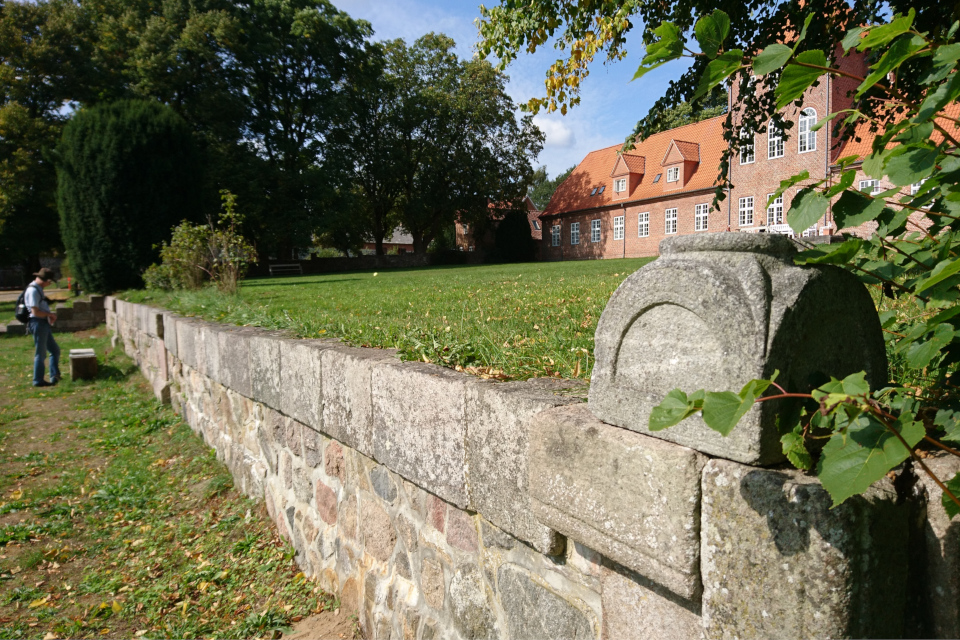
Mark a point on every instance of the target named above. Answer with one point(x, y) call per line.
point(717, 310)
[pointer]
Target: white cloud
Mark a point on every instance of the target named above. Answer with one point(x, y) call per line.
point(558, 133)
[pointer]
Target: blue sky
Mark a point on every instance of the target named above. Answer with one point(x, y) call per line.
point(610, 105)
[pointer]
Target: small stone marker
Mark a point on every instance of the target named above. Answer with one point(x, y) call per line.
point(83, 364)
point(717, 310)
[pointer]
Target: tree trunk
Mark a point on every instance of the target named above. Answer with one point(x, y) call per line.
point(419, 243)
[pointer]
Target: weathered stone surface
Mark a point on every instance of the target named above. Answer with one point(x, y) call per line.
point(533, 611)
point(495, 538)
point(265, 367)
point(189, 343)
point(234, 350)
point(333, 463)
point(717, 310)
point(436, 513)
point(497, 416)
point(432, 583)
point(379, 536)
point(777, 561)
point(419, 426)
point(469, 604)
point(635, 609)
point(942, 537)
point(326, 503)
point(210, 367)
point(170, 333)
point(313, 443)
point(383, 484)
point(633, 498)
point(462, 531)
point(301, 390)
point(348, 400)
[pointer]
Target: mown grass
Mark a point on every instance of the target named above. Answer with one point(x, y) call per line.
point(117, 521)
point(509, 321)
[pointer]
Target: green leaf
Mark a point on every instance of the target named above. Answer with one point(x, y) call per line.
point(852, 38)
point(853, 209)
point(803, 31)
point(841, 253)
point(954, 486)
point(789, 182)
point(771, 59)
point(911, 165)
point(845, 182)
point(867, 451)
point(946, 93)
point(944, 60)
point(807, 207)
point(674, 408)
point(897, 54)
point(723, 410)
point(919, 354)
point(668, 47)
point(879, 36)
point(711, 31)
point(796, 450)
point(943, 270)
point(796, 79)
point(873, 163)
point(726, 64)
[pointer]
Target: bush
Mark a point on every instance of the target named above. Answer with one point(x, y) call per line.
point(200, 252)
point(127, 172)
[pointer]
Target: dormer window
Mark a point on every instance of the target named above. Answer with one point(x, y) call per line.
point(620, 185)
point(601, 190)
point(594, 192)
point(673, 174)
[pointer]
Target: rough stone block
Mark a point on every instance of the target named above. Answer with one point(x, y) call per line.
point(210, 366)
point(265, 367)
point(633, 498)
point(497, 416)
point(301, 389)
point(347, 395)
point(717, 310)
point(636, 609)
point(189, 343)
point(533, 611)
point(777, 561)
point(153, 322)
point(470, 608)
point(942, 538)
point(64, 313)
point(83, 364)
point(234, 350)
point(170, 333)
point(419, 426)
point(379, 536)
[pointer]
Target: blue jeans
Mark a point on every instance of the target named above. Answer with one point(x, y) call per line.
point(43, 340)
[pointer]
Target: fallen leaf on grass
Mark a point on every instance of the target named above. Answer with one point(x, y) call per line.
point(39, 603)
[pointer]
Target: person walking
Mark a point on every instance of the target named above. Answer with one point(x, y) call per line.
point(40, 326)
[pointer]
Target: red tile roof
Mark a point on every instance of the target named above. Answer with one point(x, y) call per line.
point(635, 163)
point(594, 170)
point(861, 144)
point(689, 150)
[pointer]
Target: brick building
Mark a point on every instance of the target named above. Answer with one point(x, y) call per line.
point(623, 204)
point(467, 235)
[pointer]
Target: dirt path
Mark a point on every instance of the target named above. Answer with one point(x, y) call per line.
point(116, 521)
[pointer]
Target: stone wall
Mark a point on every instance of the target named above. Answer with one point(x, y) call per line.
point(444, 506)
point(79, 316)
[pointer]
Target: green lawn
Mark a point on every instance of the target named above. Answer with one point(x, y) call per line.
point(508, 321)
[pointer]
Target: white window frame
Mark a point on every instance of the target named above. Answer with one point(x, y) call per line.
point(915, 187)
point(873, 184)
point(574, 233)
point(774, 141)
point(618, 224)
point(701, 217)
point(673, 174)
point(620, 185)
point(670, 221)
point(595, 230)
point(536, 225)
point(555, 235)
point(745, 211)
point(643, 225)
point(748, 153)
point(807, 140)
point(775, 210)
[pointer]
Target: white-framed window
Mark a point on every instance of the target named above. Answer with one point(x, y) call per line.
point(915, 187)
point(870, 187)
point(618, 228)
point(673, 174)
point(536, 225)
point(774, 141)
point(700, 217)
point(775, 210)
point(747, 155)
point(620, 185)
point(670, 222)
point(643, 225)
point(555, 235)
point(594, 231)
point(746, 211)
point(574, 233)
point(808, 137)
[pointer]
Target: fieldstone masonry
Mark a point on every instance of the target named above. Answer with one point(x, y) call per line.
point(443, 506)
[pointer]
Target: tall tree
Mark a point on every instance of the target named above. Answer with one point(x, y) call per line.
point(542, 188)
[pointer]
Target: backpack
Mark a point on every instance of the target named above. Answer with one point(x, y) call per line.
point(22, 312)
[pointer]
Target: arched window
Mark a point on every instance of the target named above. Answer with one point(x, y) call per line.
point(808, 137)
point(774, 141)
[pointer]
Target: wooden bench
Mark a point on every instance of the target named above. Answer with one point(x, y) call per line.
point(290, 268)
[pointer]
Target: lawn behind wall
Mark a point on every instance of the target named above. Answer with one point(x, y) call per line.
point(513, 321)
